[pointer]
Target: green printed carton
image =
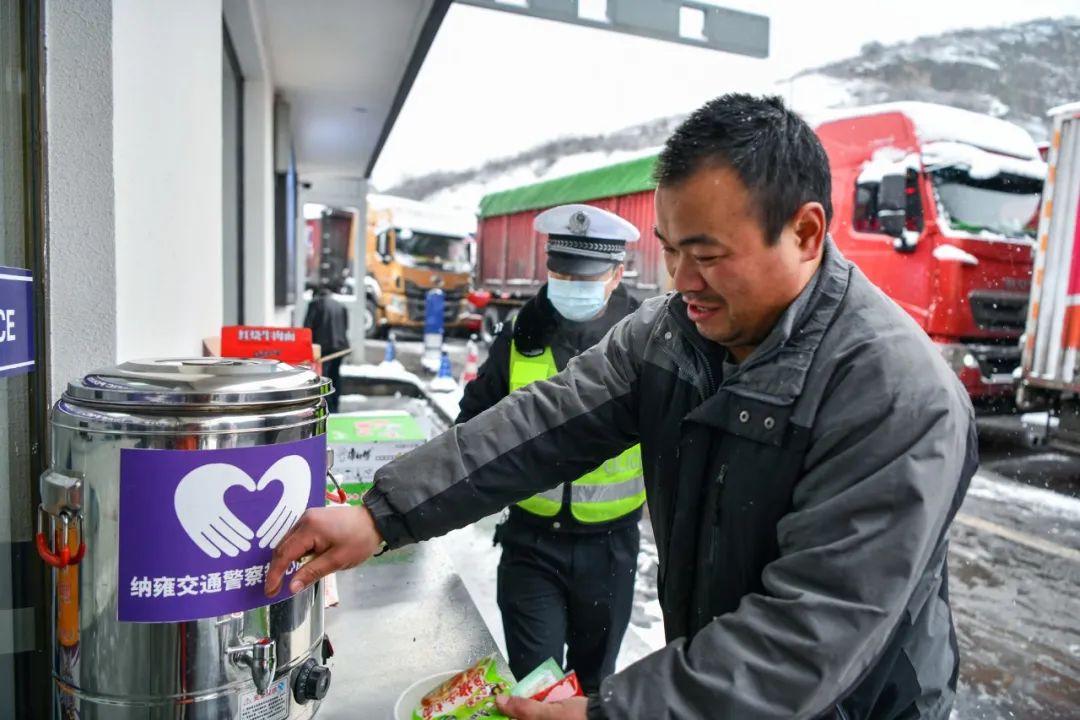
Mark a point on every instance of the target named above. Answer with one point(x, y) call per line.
point(365, 441)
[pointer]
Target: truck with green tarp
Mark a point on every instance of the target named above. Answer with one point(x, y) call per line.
point(511, 263)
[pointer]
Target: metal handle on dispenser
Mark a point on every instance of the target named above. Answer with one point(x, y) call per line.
point(340, 497)
point(61, 505)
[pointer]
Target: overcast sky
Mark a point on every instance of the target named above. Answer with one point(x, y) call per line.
point(495, 83)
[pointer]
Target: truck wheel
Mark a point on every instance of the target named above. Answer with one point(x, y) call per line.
point(371, 326)
point(489, 326)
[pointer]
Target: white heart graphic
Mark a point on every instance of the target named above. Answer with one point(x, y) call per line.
point(200, 506)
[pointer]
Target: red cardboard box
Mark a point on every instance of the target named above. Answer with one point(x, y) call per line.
point(289, 345)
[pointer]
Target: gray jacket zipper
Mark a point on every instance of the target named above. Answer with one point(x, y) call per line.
point(714, 539)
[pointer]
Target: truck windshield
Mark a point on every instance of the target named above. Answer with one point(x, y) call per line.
point(439, 252)
point(1002, 204)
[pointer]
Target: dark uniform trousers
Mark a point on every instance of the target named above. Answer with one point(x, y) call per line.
point(572, 590)
point(331, 369)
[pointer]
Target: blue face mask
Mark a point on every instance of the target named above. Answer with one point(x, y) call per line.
point(577, 300)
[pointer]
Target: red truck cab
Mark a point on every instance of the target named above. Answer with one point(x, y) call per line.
point(936, 206)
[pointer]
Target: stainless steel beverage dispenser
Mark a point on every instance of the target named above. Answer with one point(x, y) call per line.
point(171, 481)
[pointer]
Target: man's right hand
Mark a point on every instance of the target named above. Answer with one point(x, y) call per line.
point(340, 538)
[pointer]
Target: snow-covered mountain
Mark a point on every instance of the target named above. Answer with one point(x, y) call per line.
point(1016, 72)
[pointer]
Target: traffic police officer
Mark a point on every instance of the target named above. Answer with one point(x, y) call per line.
point(569, 557)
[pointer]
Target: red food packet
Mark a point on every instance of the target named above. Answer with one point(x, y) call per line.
point(566, 688)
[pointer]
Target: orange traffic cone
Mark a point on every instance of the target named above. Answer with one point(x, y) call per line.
point(472, 362)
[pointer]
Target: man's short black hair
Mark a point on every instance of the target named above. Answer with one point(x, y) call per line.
point(774, 152)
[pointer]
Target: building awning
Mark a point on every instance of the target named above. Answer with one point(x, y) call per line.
point(345, 67)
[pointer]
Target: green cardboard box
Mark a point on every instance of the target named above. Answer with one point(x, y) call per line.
point(365, 441)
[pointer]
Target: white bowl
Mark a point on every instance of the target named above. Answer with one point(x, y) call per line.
point(409, 699)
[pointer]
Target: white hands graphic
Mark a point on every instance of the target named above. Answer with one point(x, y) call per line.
point(200, 506)
point(294, 474)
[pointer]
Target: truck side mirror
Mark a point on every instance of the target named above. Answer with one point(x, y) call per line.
point(382, 246)
point(892, 205)
point(892, 202)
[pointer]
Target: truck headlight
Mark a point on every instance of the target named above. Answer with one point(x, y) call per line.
point(958, 357)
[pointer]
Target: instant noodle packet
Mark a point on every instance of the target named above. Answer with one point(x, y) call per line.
point(469, 695)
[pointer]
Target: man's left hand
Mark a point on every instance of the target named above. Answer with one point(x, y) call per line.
point(525, 709)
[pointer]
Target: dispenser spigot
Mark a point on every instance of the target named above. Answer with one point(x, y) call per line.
point(259, 656)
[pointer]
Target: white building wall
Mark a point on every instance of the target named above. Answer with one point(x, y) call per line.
point(79, 188)
point(245, 29)
point(134, 179)
point(167, 164)
point(259, 203)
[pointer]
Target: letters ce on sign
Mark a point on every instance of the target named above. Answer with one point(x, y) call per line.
point(16, 321)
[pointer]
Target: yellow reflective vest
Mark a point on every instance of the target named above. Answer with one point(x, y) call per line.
point(611, 491)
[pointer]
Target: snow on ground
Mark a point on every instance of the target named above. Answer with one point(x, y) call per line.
point(1008, 492)
point(449, 401)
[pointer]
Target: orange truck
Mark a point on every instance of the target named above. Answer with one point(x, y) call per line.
point(410, 248)
point(413, 247)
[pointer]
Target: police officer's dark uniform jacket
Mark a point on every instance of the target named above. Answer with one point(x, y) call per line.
point(799, 504)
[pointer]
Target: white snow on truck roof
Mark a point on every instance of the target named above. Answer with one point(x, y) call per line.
point(935, 123)
point(887, 161)
point(424, 217)
point(979, 163)
point(1062, 109)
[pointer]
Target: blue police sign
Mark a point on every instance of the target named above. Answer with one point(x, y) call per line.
point(16, 321)
point(434, 306)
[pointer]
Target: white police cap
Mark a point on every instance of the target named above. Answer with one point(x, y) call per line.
point(584, 240)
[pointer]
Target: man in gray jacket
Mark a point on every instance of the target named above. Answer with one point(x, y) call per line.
point(805, 449)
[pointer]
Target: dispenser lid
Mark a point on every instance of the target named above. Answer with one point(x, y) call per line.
point(199, 382)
